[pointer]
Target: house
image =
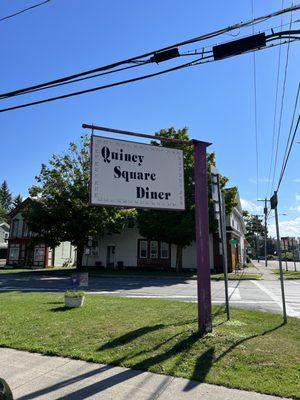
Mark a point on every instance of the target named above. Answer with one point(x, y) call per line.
point(21, 251)
point(130, 249)
point(236, 240)
point(4, 233)
point(292, 245)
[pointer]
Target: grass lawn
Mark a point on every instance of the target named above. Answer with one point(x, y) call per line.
point(236, 277)
point(253, 351)
point(288, 274)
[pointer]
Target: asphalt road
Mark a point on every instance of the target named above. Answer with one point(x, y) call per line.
point(264, 295)
point(290, 265)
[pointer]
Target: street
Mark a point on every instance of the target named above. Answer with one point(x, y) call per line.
point(291, 266)
point(263, 295)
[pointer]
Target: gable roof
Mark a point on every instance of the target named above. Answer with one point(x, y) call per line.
point(20, 207)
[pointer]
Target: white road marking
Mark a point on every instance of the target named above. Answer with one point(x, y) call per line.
point(290, 311)
point(234, 294)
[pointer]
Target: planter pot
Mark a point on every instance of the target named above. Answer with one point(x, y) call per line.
point(73, 302)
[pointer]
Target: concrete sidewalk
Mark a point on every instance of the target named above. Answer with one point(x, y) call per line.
point(34, 376)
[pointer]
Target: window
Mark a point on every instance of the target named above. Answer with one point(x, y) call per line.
point(143, 249)
point(15, 228)
point(153, 249)
point(39, 253)
point(14, 252)
point(95, 248)
point(164, 250)
point(25, 230)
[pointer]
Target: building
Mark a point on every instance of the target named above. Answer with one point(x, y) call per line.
point(4, 233)
point(129, 249)
point(292, 245)
point(236, 240)
point(22, 253)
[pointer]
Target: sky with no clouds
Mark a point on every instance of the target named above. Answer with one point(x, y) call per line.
point(215, 101)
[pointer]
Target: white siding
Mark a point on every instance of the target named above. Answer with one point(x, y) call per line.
point(65, 252)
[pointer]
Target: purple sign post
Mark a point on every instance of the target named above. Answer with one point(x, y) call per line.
point(202, 238)
point(201, 221)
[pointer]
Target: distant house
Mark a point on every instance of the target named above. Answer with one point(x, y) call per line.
point(4, 233)
point(236, 240)
point(22, 252)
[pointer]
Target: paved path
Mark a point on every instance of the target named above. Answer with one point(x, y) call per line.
point(34, 376)
point(261, 295)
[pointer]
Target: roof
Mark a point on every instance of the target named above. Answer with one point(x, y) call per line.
point(20, 207)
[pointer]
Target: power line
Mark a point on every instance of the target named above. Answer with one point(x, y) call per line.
point(198, 61)
point(255, 106)
point(102, 87)
point(281, 107)
point(76, 80)
point(25, 9)
point(289, 148)
point(275, 110)
point(136, 58)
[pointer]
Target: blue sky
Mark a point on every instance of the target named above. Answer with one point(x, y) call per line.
point(216, 100)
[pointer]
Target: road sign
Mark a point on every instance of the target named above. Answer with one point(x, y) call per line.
point(233, 242)
point(130, 174)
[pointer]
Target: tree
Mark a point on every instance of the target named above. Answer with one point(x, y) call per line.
point(17, 201)
point(254, 229)
point(62, 211)
point(178, 227)
point(5, 201)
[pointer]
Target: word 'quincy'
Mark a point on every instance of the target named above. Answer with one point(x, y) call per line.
point(108, 156)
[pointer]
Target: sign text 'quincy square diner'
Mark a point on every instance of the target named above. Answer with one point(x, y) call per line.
point(130, 174)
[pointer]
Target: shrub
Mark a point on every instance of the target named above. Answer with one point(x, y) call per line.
point(74, 293)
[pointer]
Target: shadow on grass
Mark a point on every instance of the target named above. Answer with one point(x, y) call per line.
point(61, 309)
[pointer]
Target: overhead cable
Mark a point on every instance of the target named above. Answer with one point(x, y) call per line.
point(290, 145)
point(198, 61)
point(135, 58)
point(25, 9)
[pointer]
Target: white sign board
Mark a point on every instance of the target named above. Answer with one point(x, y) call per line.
point(129, 174)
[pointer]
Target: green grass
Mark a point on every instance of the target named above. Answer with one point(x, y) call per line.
point(253, 351)
point(236, 277)
point(288, 274)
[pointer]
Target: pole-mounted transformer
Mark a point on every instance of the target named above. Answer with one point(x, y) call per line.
point(165, 55)
point(239, 46)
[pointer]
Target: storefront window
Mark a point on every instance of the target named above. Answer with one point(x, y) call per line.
point(143, 249)
point(39, 253)
point(14, 252)
point(153, 249)
point(164, 250)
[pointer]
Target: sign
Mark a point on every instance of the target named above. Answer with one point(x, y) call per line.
point(80, 280)
point(234, 242)
point(130, 174)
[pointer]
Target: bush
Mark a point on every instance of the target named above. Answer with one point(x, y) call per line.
point(74, 293)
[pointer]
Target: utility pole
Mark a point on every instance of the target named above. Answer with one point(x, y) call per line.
point(220, 201)
point(274, 203)
point(266, 232)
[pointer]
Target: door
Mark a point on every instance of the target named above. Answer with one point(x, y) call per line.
point(110, 256)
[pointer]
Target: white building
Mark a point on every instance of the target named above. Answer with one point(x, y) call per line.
point(4, 233)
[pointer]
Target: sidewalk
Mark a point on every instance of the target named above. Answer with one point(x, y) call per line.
point(34, 376)
point(266, 272)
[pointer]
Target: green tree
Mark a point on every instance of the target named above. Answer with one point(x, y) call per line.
point(17, 201)
point(178, 227)
point(62, 211)
point(254, 229)
point(5, 201)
